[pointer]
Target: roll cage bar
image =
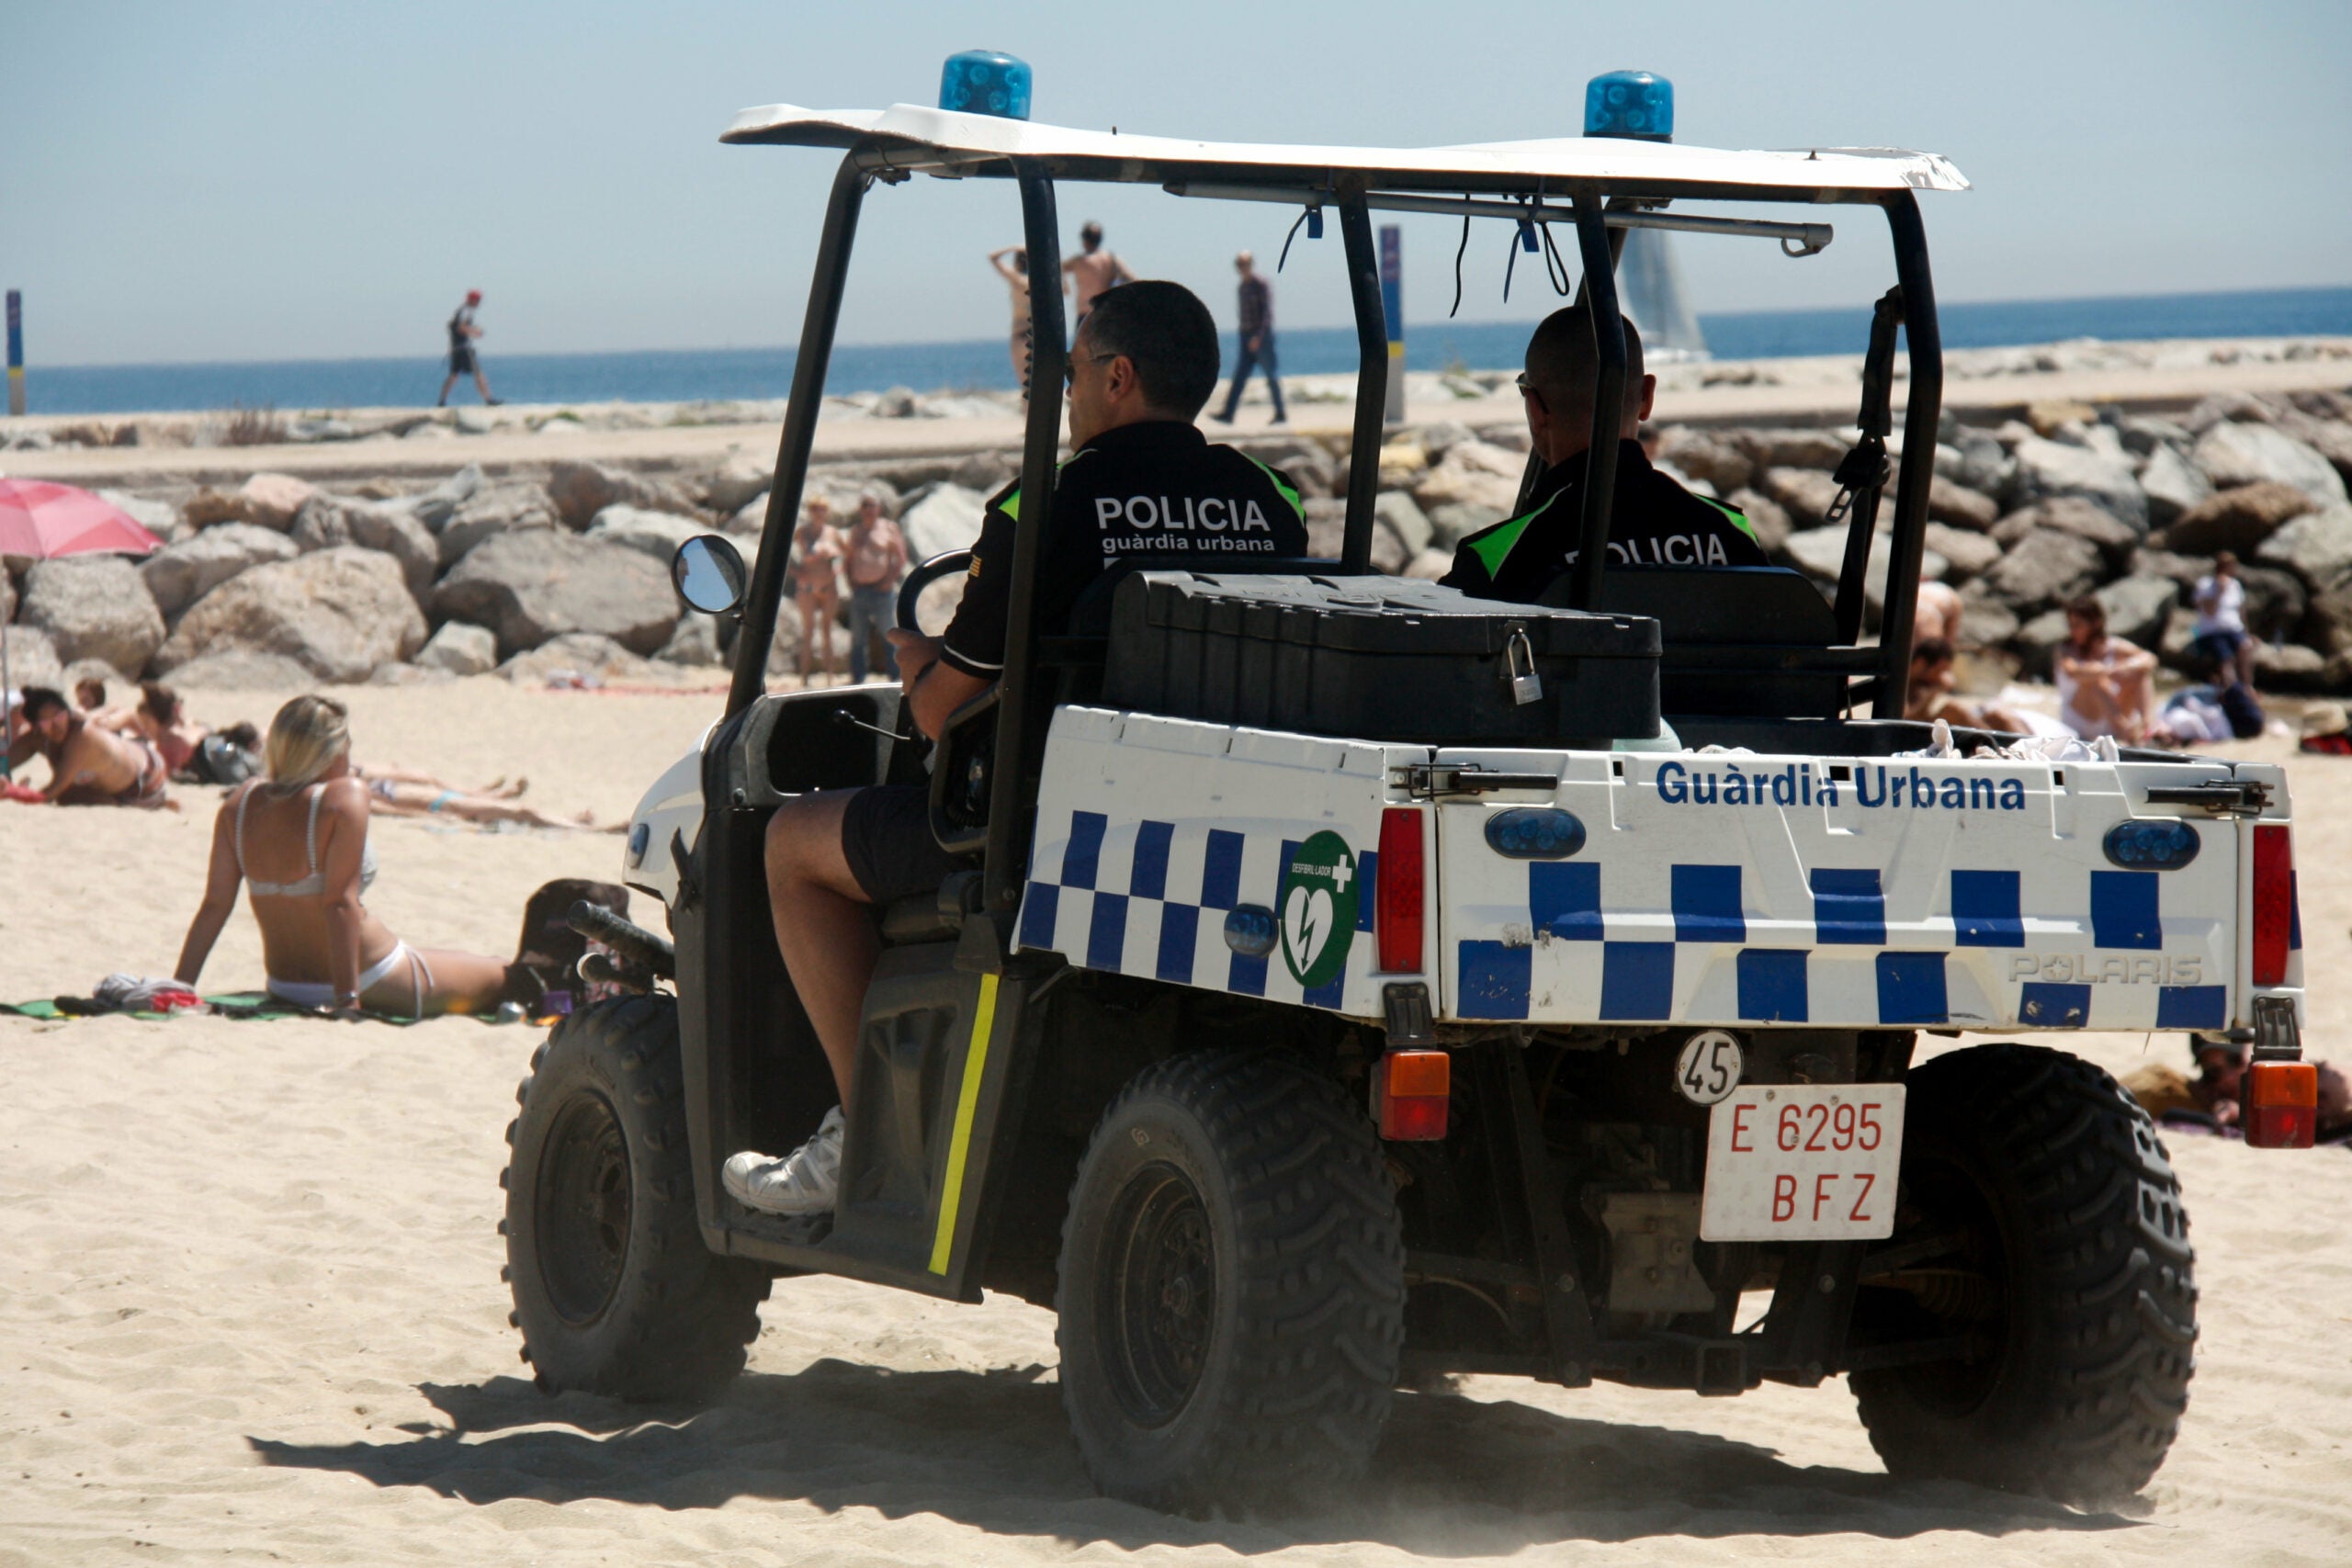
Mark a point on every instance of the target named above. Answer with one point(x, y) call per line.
point(1600, 210)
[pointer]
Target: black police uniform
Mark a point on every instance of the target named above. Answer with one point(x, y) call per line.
point(1652, 522)
point(1154, 489)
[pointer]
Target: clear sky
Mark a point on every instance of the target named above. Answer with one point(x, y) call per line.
point(260, 181)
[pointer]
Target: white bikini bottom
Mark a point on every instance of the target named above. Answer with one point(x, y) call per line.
point(321, 994)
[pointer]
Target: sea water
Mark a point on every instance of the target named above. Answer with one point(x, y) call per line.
point(688, 375)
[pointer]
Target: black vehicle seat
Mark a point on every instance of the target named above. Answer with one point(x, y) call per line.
point(1754, 607)
point(936, 915)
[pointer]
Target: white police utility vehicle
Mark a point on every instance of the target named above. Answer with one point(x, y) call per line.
point(1354, 980)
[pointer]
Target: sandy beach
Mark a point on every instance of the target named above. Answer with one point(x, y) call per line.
point(249, 1305)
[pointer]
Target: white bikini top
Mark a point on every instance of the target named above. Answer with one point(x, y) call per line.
point(313, 884)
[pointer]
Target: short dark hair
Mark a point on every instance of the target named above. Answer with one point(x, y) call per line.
point(38, 700)
point(160, 702)
point(1931, 650)
point(1167, 334)
point(1561, 357)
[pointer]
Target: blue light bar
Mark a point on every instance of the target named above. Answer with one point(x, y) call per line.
point(983, 81)
point(1631, 104)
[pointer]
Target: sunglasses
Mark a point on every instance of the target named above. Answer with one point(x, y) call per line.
point(1069, 366)
point(1528, 388)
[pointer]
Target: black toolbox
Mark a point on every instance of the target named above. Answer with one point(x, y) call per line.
point(1378, 659)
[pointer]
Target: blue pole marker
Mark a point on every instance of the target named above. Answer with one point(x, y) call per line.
point(15, 353)
point(1392, 305)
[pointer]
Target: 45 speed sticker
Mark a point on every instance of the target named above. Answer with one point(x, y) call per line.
point(1318, 908)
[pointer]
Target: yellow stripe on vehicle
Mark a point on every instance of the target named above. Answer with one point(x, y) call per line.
point(959, 1143)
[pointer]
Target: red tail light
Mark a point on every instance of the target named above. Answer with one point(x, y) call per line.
point(2281, 1107)
point(1410, 1095)
point(2273, 901)
point(1397, 904)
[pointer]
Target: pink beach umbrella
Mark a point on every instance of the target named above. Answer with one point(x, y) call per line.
point(42, 521)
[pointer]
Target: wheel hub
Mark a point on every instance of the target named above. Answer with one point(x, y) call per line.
point(582, 1210)
point(1158, 1304)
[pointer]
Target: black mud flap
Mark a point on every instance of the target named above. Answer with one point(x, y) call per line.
point(937, 1053)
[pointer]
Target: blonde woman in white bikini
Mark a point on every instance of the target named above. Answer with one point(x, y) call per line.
point(299, 841)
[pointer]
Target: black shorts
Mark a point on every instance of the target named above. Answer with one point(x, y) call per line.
point(461, 362)
point(886, 838)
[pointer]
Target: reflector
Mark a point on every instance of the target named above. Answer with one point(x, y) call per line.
point(1396, 900)
point(2281, 1106)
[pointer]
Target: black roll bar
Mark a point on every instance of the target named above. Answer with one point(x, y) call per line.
point(1372, 380)
point(809, 365)
point(1923, 406)
point(1608, 404)
point(1041, 443)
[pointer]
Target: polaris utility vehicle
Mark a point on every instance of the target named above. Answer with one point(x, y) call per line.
point(1355, 981)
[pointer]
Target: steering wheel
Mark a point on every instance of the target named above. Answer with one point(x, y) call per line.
point(911, 591)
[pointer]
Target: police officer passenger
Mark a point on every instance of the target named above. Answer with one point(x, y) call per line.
point(1140, 481)
point(1653, 521)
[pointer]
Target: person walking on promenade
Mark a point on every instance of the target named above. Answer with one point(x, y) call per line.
point(1257, 301)
point(1015, 273)
point(463, 361)
point(875, 561)
point(1092, 271)
point(817, 587)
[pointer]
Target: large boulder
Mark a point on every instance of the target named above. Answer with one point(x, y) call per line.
point(1790, 448)
point(272, 500)
point(32, 657)
point(338, 613)
point(328, 521)
point(160, 518)
point(1474, 471)
point(2172, 485)
point(576, 659)
point(1985, 465)
point(1720, 463)
point(2232, 455)
point(1400, 515)
point(2070, 514)
point(2238, 519)
point(178, 575)
point(2291, 667)
point(1766, 516)
point(656, 534)
point(503, 509)
point(2049, 470)
point(2316, 546)
point(577, 492)
point(541, 583)
point(460, 648)
point(1969, 553)
point(1457, 520)
point(435, 507)
point(2045, 567)
point(1960, 507)
point(2276, 600)
point(2139, 607)
point(1807, 493)
point(736, 480)
point(947, 519)
point(94, 608)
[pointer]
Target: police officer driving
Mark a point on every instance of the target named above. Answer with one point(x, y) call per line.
point(1141, 481)
point(1653, 521)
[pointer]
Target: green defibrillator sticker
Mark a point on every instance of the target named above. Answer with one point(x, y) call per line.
point(1319, 909)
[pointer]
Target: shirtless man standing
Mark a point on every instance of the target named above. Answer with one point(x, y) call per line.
point(1093, 271)
point(89, 765)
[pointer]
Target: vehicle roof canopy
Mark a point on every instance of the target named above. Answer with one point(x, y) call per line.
point(944, 141)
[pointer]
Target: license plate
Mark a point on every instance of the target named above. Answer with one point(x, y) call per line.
point(1802, 1162)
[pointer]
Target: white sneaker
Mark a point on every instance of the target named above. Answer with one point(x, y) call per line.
point(804, 1182)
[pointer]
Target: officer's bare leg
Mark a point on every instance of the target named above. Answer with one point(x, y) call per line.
point(822, 928)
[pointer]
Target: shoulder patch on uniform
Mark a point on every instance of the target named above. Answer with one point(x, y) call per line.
point(1493, 546)
point(1738, 518)
point(1289, 491)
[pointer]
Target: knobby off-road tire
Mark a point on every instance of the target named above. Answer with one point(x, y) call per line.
point(1232, 1287)
point(2075, 1273)
point(615, 1291)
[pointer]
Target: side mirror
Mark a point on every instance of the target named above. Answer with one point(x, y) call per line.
point(709, 574)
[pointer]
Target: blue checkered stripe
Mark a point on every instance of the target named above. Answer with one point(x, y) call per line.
point(1149, 898)
point(1836, 969)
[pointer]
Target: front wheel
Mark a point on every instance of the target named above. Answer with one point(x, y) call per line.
point(1232, 1287)
point(614, 1290)
point(2039, 1240)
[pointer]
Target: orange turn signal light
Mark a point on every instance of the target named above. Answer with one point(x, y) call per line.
point(1410, 1094)
point(2281, 1110)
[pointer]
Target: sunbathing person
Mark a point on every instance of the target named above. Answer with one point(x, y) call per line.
point(1933, 680)
point(400, 793)
point(88, 764)
point(162, 718)
point(299, 839)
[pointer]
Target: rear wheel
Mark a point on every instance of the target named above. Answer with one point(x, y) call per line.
point(614, 1290)
point(2040, 1239)
point(1232, 1287)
